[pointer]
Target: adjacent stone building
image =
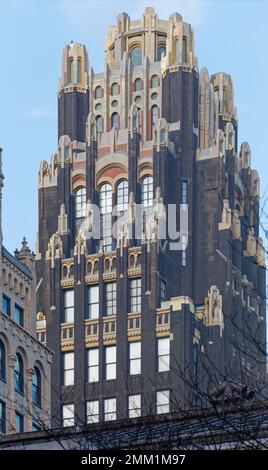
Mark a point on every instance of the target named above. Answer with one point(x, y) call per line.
point(25, 364)
point(140, 324)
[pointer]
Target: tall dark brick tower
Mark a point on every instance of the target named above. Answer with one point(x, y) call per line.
point(141, 324)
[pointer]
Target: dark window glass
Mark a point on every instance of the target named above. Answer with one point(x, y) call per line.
point(19, 315)
point(6, 305)
point(2, 361)
point(36, 386)
point(2, 417)
point(19, 374)
point(19, 422)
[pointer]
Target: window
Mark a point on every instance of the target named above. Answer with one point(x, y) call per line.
point(147, 191)
point(163, 292)
point(134, 406)
point(135, 358)
point(36, 386)
point(68, 415)
point(93, 365)
point(122, 196)
point(71, 71)
point(2, 417)
point(80, 198)
point(135, 56)
point(184, 50)
point(93, 302)
point(79, 70)
point(154, 115)
point(19, 374)
point(184, 192)
point(93, 412)
point(99, 125)
point(115, 121)
point(66, 152)
point(105, 195)
point(6, 305)
point(110, 409)
point(35, 427)
point(161, 51)
point(110, 298)
point(176, 50)
point(68, 368)
point(163, 354)
point(138, 84)
point(183, 250)
point(2, 361)
point(98, 92)
point(19, 315)
point(110, 362)
point(135, 295)
point(115, 89)
point(162, 402)
point(154, 81)
point(19, 422)
point(68, 306)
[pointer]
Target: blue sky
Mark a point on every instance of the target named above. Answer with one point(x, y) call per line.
point(230, 36)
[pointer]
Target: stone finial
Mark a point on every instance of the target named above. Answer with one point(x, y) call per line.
point(236, 225)
point(62, 221)
point(251, 243)
point(54, 250)
point(213, 308)
point(260, 252)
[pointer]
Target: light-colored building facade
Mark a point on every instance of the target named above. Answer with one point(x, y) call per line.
point(25, 364)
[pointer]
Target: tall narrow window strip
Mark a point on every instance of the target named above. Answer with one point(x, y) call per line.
point(135, 358)
point(68, 415)
point(36, 386)
point(134, 406)
point(2, 417)
point(135, 295)
point(110, 362)
point(136, 57)
point(19, 374)
point(163, 354)
point(110, 409)
point(79, 70)
point(2, 361)
point(80, 203)
point(177, 56)
point(154, 113)
point(122, 196)
point(93, 302)
point(184, 192)
point(93, 411)
point(184, 50)
point(68, 306)
point(68, 368)
point(147, 192)
point(105, 201)
point(71, 71)
point(115, 121)
point(93, 365)
point(6, 305)
point(161, 52)
point(110, 298)
point(99, 124)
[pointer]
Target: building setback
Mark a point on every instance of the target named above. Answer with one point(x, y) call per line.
point(25, 363)
point(138, 325)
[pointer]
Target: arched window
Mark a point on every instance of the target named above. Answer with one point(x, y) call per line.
point(2, 361)
point(98, 92)
point(71, 71)
point(19, 374)
point(183, 57)
point(122, 196)
point(99, 124)
point(79, 71)
point(80, 203)
point(115, 89)
point(154, 116)
point(36, 386)
point(147, 191)
point(135, 56)
point(161, 51)
point(105, 195)
point(138, 84)
point(66, 152)
point(115, 121)
point(154, 81)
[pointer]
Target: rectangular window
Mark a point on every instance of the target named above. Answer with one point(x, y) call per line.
point(68, 306)
point(68, 368)
point(93, 411)
point(163, 292)
point(183, 250)
point(2, 417)
point(163, 354)
point(162, 402)
point(135, 358)
point(19, 315)
point(135, 295)
point(93, 302)
point(6, 305)
point(19, 422)
point(93, 365)
point(184, 192)
point(110, 298)
point(110, 409)
point(110, 362)
point(68, 415)
point(134, 406)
